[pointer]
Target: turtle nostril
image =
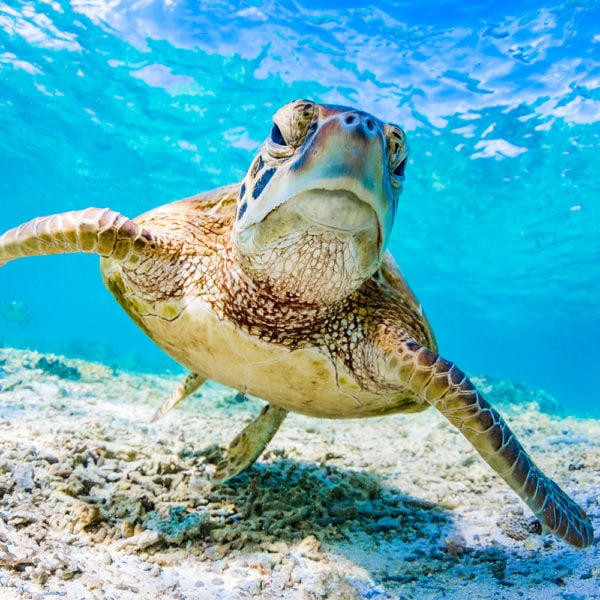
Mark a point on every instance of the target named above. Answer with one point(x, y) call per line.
point(360, 123)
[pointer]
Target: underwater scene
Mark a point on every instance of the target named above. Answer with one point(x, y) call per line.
point(130, 105)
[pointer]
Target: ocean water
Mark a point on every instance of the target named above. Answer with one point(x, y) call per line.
point(131, 104)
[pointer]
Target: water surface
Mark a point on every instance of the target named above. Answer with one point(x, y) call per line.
point(133, 104)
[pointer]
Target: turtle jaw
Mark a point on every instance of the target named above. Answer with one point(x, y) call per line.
point(337, 209)
point(303, 253)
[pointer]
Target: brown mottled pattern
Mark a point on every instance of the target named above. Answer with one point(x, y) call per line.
point(208, 268)
point(341, 330)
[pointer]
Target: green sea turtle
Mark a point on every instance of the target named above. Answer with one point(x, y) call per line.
point(281, 287)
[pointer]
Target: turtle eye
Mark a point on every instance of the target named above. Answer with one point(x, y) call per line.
point(291, 125)
point(397, 152)
point(399, 170)
point(278, 146)
point(277, 136)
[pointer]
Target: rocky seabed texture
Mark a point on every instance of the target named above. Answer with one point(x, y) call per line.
point(96, 502)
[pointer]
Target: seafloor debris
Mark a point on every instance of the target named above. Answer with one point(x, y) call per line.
point(96, 502)
point(519, 527)
point(55, 366)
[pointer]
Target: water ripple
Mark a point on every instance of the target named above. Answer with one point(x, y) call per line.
point(136, 103)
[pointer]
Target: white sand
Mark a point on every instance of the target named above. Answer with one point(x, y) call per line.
point(98, 503)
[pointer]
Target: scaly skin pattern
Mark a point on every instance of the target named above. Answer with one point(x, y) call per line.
point(93, 230)
point(443, 385)
point(180, 273)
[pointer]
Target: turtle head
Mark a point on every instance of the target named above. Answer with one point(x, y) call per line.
point(317, 205)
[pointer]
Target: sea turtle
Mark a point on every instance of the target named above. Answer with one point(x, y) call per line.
point(281, 287)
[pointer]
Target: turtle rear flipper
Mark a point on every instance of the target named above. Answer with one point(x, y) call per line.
point(443, 385)
point(250, 443)
point(188, 386)
point(93, 230)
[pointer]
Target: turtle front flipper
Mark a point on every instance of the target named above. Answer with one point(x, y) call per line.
point(93, 231)
point(443, 385)
point(188, 386)
point(249, 444)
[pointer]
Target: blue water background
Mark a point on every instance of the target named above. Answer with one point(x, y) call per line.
point(133, 104)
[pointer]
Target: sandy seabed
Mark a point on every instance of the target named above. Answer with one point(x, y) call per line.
point(96, 502)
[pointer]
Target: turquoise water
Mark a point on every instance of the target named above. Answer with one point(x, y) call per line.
point(133, 104)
